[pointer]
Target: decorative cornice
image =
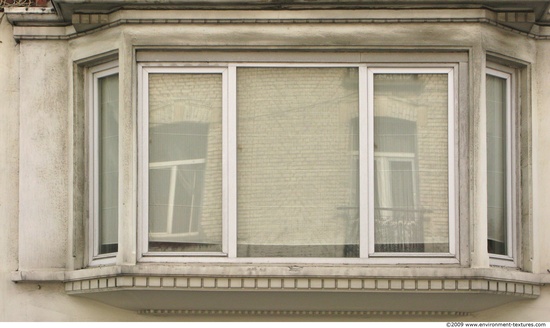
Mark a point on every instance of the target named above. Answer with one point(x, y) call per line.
point(101, 20)
point(298, 313)
point(522, 289)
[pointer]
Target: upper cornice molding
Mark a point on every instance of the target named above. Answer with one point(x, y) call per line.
point(83, 16)
point(47, 24)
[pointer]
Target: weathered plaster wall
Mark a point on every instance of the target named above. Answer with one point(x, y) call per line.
point(47, 301)
point(37, 178)
point(9, 160)
point(541, 157)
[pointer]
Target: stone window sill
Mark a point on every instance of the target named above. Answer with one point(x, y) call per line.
point(171, 289)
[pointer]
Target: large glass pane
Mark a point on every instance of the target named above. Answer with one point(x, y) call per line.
point(411, 202)
point(297, 162)
point(185, 162)
point(108, 163)
point(496, 165)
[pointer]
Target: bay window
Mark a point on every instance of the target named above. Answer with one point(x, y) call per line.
point(305, 161)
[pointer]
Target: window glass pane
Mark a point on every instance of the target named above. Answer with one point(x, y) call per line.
point(297, 162)
point(185, 162)
point(108, 163)
point(411, 211)
point(496, 165)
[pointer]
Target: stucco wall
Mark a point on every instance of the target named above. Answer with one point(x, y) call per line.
point(38, 178)
point(31, 302)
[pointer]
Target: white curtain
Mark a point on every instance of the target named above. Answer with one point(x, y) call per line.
point(296, 163)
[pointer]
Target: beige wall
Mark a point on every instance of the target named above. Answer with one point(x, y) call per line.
point(35, 161)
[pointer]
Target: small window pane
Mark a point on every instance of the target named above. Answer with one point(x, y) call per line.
point(108, 163)
point(297, 162)
point(411, 211)
point(496, 165)
point(185, 162)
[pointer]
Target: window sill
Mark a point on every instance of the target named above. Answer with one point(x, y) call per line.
point(168, 289)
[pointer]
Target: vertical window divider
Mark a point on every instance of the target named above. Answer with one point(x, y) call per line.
point(365, 175)
point(367, 156)
point(144, 157)
point(230, 167)
point(510, 162)
point(94, 171)
point(451, 84)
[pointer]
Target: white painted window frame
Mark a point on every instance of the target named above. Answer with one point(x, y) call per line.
point(94, 74)
point(143, 157)
point(510, 259)
point(452, 166)
point(229, 164)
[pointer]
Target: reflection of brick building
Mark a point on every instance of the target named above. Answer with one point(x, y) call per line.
point(187, 102)
point(422, 101)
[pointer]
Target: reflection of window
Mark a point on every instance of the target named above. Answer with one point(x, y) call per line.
point(104, 162)
point(184, 150)
point(398, 221)
point(176, 181)
point(499, 163)
point(411, 199)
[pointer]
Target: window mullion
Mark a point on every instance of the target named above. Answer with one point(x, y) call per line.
point(509, 165)
point(451, 161)
point(144, 114)
point(230, 156)
point(365, 176)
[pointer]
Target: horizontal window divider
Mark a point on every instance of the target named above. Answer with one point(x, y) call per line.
point(217, 56)
point(193, 254)
point(177, 258)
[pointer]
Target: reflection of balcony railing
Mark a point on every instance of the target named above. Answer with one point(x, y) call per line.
point(399, 229)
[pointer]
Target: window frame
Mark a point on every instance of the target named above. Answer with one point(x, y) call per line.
point(509, 75)
point(143, 158)
point(229, 162)
point(93, 75)
point(451, 160)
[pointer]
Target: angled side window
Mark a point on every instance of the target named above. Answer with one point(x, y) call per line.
point(104, 96)
point(500, 186)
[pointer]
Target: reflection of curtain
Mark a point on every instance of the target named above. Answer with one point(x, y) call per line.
point(496, 164)
point(382, 194)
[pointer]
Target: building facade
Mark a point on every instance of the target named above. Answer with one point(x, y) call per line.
point(282, 160)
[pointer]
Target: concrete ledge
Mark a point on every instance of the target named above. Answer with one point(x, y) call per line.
point(184, 289)
point(161, 295)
